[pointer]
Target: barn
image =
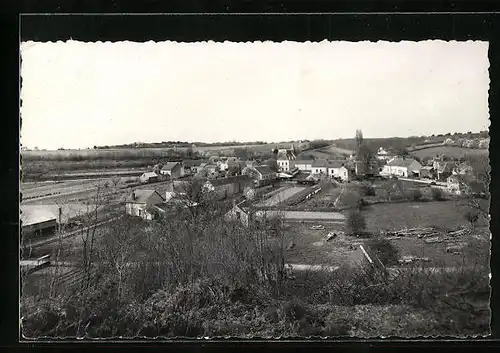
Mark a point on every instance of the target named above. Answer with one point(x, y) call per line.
point(37, 222)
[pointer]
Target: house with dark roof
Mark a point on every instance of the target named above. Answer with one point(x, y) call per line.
point(142, 203)
point(226, 187)
point(261, 175)
point(402, 166)
point(172, 169)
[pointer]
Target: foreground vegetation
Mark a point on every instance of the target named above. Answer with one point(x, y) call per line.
point(201, 276)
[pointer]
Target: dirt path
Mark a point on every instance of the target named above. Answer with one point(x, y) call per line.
point(306, 215)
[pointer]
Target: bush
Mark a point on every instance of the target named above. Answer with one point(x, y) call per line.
point(367, 190)
point(387, 253)
point(416, 195)
point(355, 223)
point(472, 217)
point(437, 194)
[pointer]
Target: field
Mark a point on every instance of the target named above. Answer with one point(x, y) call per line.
point(450, 151)
point(311, 247)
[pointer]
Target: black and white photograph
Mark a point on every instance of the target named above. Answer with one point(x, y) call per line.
point(265, 189)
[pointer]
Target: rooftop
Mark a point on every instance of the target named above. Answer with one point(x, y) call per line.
point(170, 165)
point(264, 169)
point(141, 196)
point(35, 215)
point(401, 162)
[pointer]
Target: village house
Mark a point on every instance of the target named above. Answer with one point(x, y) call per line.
point(442, 169)
point(262, 175)
point(385, 155)
point(285, 159)
point(149, 177)
point(192, 167)
point(227, 187)
point(172, 169)
point(404, 167)
point(212, 170)
point(143, 203)
point(337, 169)
point(303, 165)
point(239, 212)
point(319, 167)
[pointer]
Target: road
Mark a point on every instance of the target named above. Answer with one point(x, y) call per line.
point(438, 183)
point(307, 215)
point(280, 196)
point(69, 234)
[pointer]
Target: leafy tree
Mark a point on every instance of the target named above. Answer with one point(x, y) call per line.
point(272, 163)
point(355, 223)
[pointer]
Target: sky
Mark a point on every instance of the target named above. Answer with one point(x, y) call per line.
point(77, 95)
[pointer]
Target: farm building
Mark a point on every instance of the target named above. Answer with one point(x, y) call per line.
point(262, 175)
point(227, 187)
point(172, 169)
point(37, 222)
point(336, 169)
point(142, 203)
point(149, 177)
point(404, 167)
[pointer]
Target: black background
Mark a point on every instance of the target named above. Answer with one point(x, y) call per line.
point(380, 20)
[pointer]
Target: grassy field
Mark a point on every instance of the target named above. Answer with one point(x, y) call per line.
point(450, 151)
point(312, 248)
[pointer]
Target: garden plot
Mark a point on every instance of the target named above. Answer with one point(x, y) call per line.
point(280, 196)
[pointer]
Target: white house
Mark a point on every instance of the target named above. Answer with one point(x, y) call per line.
point(285, 159)
point(404, 167)
point(303, 165)
point(383, 154)
point(143, 203)
point(149, 177)
point(319, 167)
point(336, 169)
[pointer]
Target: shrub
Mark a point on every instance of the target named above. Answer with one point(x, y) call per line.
point(472, 217)
point(416, 195)
point(437, 194)
point(367, 190)
point(387, 253)
point(355, 223)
